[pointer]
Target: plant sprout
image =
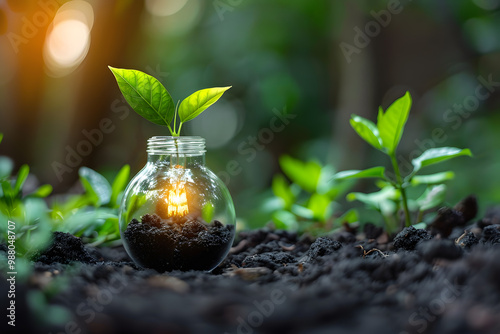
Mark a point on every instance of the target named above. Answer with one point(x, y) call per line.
point(308, 203)
point(150, 99)
point(385, 137)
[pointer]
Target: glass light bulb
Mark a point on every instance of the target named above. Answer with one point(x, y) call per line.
point(176, 214)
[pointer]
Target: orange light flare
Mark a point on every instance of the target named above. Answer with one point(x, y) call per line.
point(68, 38)
point(177, 204)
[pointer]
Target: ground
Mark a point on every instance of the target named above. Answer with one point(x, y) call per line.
point(276, 282)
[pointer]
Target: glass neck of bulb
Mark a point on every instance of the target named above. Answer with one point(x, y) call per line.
point(183, 151)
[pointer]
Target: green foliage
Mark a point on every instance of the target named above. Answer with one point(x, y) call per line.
point(377, 172)
point(435, 155)
point(92, 215)
point(207, 212)
point(27, 213)
point(45, 312)
point(96, 186)
point(432, 178)
point(390, 124)
point(385, 136)
point(150, 99)
point(119, 185)
point(196, 103)
point(11, 195)
point(146, 95)
point(367, 130)
point(307, 203)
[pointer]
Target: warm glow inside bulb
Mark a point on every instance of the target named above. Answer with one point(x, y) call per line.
point(177, 200)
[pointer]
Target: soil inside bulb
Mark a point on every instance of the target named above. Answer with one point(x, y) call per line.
point(177, 244)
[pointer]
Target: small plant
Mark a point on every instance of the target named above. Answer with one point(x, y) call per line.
point(24, 217)
point(150, 99)
point(92, 215)
point(385, 137)
point(307, 205)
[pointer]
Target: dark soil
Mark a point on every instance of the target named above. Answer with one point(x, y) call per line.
point(166, 244)
point(275, 282)
point(66, 249)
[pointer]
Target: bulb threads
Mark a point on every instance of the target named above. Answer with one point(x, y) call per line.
point(183, 145)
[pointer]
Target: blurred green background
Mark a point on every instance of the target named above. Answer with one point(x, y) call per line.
point(315, 61)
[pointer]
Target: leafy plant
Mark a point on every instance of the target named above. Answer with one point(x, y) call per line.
point(27, 211)
point(308, 203)
point(92, 215)
point(150, 99)
point(385, 137)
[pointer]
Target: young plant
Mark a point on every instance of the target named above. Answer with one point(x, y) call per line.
point(385, 137)
point(92, 215)
point(307, 204)
point(150, 99)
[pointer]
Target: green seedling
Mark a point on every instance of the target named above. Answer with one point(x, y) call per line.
point(150, 99)
point(23, 216)
point(307, 204)
point(92, 215)
point(385, 137)
point(29, 222)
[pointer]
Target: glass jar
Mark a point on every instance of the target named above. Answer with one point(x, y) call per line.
point(176, 214)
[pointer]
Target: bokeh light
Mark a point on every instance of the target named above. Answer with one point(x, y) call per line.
point(164, 8)
point(487, 4)
point(68, 40)
point(162, 21)
point(218, 126)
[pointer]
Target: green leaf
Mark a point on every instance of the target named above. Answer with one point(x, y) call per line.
point(324, 186)
point(432, 197)
point(420, 226)
point(136, 202)
point(376, 172)
point(382, 200)
point(21, 178)
point(6, 166)
point(196, 103)
point(1, 137)
point(207, 212)
point(6, 188)
point(119, 184)
point(285, 220)
point(7, 199)
point(320, 206)
point(51, 314)
point(391, 123)
point(367, 130)
point(282, 190)
point(146, 95)
point(432, 178)
point(350, 216)
point(329, 186)
point(302, 211)
point(42, 191)
point(305, 174)
point(336, 189)
point(435, 155)
point(95, 185)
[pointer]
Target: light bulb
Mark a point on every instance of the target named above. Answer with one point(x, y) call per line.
point(177, 201)
point(176, 214)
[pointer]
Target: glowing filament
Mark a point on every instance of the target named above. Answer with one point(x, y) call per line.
point(177, 200)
